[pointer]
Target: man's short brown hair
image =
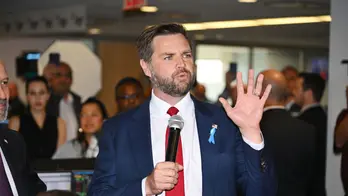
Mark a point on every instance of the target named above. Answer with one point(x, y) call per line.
point(144, 41)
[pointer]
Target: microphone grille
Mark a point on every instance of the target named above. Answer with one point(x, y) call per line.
point(176, 121)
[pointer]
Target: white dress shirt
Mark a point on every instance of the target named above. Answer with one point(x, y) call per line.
point(189, 138)
point(307, 107)
point(9, 174)
point(93, 148)
point(67, 113)
point(274, 107)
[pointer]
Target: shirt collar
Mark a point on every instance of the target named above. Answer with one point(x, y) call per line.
point(161, 107)
point(70, 98)
point(273, 107)
point(288, 105)
point(307, 107)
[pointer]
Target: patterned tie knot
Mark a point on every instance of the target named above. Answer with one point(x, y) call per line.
point(172, 111)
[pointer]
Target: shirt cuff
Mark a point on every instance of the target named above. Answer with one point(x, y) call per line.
point(143, 187)
point(257, 147)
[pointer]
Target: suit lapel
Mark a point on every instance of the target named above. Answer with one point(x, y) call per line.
point(209, 152)
point(140, 138)
point(5, 147)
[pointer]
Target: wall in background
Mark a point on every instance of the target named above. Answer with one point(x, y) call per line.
point(338, 79)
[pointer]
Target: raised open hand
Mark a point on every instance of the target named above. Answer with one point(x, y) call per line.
point(247, 112)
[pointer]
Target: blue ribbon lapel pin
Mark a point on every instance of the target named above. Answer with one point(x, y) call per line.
point(212, 134)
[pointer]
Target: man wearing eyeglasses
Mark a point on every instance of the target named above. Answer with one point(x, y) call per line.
point(129, 93)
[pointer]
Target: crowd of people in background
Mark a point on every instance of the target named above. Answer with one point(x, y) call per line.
point(57, 125)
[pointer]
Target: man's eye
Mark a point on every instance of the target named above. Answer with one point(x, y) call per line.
point(187, 55)
point(168, 58)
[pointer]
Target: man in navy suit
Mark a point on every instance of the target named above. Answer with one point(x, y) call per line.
point(209, 162)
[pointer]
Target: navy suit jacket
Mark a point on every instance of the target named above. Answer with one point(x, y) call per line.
point(125, 156)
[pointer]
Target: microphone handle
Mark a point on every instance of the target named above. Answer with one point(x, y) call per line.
point(172, 146)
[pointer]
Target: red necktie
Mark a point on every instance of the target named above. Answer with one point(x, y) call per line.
point(179, 188)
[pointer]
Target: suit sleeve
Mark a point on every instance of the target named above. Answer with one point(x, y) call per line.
point(255, 170)
point(105, 181)
point(31, 179)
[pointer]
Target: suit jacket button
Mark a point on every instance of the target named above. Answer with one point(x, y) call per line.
point(263, 165)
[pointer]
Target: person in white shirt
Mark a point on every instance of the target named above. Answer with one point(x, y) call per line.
point(214, 157)
point(63, 102)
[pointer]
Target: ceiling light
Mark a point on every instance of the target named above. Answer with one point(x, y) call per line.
point(94, 31)
point(247, 1)
point(149, 9)
point(199, 36)
point(256, 22)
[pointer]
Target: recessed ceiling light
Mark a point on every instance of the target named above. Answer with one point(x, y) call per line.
point(94, 31)
point(149, 9)
point(256, 22)
point(247, 1)
point(199, 36)
point(219, 36)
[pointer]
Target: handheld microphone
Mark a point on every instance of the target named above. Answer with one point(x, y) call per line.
point(175, 124)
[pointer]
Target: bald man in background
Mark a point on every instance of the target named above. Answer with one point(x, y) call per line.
point(292, 141)
point(17, 107)
point(49, 72)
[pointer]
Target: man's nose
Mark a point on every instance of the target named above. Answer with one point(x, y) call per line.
point(181, 62)
point(2, 93)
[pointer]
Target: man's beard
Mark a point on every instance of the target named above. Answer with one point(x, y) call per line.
point(168, 85)
point(4, 111)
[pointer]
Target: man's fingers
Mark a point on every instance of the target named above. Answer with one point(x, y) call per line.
point(179, 167)
point(165, 186)
point(170, 180)
point(266, 94)
point(224, 103)
point(250, 88)
point(240, 84)
point(166, 165)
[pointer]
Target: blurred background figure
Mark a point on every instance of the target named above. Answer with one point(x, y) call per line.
point(93, 114)
point(129, 93)
point(309, 91)
point(16, 106)
point(227, 92)
point(294, 161)
point(63, 102)
point(291, 74)
point(49, 72)
point(341, 138)
point(198, 92)
point(42, 132)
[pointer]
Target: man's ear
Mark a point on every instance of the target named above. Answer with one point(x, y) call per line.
point(145, 66)
point(308, 93)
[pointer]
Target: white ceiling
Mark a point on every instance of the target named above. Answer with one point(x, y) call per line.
point(107, 15)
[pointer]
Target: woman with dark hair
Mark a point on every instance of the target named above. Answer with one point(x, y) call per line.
point(93, 114)
point(42, 133)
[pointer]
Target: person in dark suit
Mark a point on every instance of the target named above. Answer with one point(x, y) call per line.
point(294, 162)
point(63, 102)
point(16, 105)
point(291, 74)
point(16, 175)
point(309, 91)
point(218, 150)
point(129, 93)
